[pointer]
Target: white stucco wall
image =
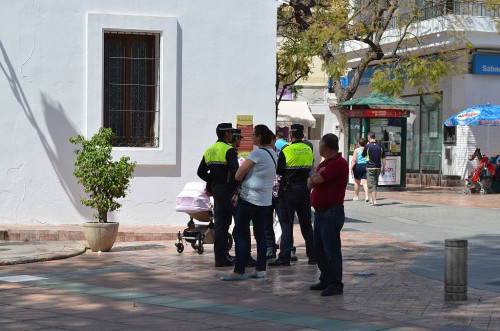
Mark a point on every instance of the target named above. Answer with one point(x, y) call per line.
point(225, 52)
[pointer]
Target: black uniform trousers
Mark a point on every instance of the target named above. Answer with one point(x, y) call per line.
point(269, 227)
point(295, 198)
point(224, 211)
point(223, 215)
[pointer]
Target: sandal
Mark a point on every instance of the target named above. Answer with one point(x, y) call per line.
point(233, 277)
point(257, 274)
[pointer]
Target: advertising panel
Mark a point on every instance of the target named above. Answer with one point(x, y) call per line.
point(245, 124)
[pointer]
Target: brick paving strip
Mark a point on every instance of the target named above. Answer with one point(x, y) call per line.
point(150, 284)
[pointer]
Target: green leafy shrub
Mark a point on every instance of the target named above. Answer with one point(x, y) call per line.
point(103, 180)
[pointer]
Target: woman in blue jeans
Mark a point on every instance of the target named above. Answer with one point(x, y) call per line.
point(257, 177)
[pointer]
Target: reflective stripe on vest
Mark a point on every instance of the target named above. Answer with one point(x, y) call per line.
point(216, 154)
point(298, 156)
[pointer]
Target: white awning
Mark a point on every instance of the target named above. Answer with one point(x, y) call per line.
point(294, 112)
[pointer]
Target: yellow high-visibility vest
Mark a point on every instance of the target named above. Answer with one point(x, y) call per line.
point(216, 154)
point(298, 156)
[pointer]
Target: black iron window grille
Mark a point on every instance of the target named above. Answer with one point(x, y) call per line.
point(131, 88)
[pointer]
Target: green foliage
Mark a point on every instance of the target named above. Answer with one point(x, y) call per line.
point(102, 179)
point(295, 50)
point(356, 35)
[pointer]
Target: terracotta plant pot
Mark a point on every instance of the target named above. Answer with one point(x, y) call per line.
point(100, 236)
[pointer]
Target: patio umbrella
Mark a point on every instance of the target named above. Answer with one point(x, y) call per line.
point(488, 115)
point(476, 115)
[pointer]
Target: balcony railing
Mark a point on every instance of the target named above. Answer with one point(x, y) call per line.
point(431, 10)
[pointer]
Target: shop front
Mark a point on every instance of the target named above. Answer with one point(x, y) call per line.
point(389, 126)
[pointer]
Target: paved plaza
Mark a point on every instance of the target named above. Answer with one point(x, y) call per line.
point(392, 275)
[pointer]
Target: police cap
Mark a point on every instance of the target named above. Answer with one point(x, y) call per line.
point(296, 128)
point(222, 127)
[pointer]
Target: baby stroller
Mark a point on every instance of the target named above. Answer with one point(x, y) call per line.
point(481, 178)
point(193, 201)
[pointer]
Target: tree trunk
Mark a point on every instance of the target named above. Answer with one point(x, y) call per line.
point(103, 216)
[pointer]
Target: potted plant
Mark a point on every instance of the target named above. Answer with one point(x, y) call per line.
point(104, 181)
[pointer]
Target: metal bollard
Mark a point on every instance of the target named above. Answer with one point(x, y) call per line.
point(455, 270)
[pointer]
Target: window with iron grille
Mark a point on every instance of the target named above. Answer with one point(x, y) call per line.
point(131, 85)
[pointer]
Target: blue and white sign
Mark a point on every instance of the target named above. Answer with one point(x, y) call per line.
point(486, 64)
point(476, 115)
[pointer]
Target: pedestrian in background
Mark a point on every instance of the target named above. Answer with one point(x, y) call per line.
point(375, 165)
point(280, 141)
point(257, 175)
point(328, 184)
point(236, 143)
point(358, 170)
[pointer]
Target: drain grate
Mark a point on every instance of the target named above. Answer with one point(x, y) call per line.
point(368, 260)
point(364, 274)
point(416, 206)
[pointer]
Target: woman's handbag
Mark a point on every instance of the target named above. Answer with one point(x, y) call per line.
point(235, 197)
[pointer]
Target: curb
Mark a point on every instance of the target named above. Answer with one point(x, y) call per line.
point(75, 249)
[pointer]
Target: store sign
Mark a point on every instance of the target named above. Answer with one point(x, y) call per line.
point(387, 113)
point(245, 124)
point(486, 64)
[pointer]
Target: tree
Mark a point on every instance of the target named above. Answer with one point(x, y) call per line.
point(103, 180)
point(295, 52)
point(383, 33)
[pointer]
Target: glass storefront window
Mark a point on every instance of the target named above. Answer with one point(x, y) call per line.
point(431, 132)
point(413, 137)
point(355, 129)
point(424, 134)
point(388, 133)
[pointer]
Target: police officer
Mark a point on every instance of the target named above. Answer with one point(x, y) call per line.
point(217, 168)
point(295, 162)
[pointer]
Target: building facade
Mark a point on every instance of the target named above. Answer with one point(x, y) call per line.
point(162, 74)
point(433, 148)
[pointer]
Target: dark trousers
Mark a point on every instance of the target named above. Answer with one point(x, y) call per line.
point(269, 227)
point(224, 211)
point(295, 199)
point(223, 215)
point(327, 226)
point(257, 214)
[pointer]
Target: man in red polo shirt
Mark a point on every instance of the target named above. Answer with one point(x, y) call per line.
point(328, 184)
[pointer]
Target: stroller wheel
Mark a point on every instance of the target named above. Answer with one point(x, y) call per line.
point(482, 191)
point(200, 248)
point(180, 247)
point(194, 245)
point(229, 241)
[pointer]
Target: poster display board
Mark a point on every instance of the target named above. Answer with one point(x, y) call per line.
point(392, 174)
point(245, 124)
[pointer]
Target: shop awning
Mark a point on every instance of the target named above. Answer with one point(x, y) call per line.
point(379, 100)
point(294, 112)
